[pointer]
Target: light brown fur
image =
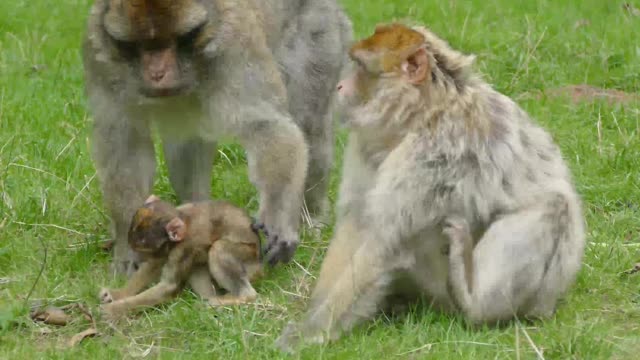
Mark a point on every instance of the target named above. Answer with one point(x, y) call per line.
point(213, 241)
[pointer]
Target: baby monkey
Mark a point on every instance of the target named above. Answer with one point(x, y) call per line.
point(194, 243)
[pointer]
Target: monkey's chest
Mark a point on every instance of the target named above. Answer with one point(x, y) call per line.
point(175, 117)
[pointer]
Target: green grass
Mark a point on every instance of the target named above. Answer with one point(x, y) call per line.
point(48, 192)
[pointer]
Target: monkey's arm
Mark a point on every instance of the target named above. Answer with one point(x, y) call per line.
point(356, 179)
point(125, 162)
point(276, 150)
point(174, 274)
point(148, 272)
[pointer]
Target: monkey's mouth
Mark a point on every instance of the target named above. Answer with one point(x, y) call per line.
point(163, 92)
point(144, 249)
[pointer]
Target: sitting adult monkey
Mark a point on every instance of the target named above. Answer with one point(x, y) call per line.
point(437, 159)
point(260, 71)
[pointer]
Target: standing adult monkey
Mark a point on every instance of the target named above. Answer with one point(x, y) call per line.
point(260, 71)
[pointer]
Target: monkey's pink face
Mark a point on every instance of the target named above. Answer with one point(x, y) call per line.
point(158, 40)
point(356, 88)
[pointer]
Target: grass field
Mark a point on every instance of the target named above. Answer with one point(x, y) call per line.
point(49, 192)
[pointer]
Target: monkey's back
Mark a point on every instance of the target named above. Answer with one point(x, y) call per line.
point(232, 224)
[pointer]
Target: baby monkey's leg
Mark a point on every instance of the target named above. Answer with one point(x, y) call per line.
point(201, 283)
point(230, 272)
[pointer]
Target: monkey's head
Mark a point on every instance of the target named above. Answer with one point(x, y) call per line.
point(395, 70)
point(155, 226)
point(158, 40)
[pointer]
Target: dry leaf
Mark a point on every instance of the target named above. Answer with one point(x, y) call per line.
point(51, 315)
point(77, 338)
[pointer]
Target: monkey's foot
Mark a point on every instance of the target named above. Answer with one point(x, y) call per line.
point(105, 296)
point(292, 337)
point(456, 228)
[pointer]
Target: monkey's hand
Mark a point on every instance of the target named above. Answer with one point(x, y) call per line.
point(293, 336)
point(107, 296)
point(279, 249)
point(456, 228)
point(280, 246)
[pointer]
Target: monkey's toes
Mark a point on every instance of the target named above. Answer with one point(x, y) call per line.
point(455, 226)
point(289, 338)
point(105, 296)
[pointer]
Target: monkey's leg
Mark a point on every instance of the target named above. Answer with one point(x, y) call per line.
point(357, 291)
point(125, 161)
point(201, 282)
point(190, 165)
point(148, 272)
point(510, 264)
point(342, 248)
point(231, 274)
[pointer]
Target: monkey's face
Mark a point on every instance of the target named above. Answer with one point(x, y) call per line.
point(387, 68)
point(153, 227)
point(159, 41)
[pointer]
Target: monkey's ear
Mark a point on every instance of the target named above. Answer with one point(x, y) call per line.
point(417, 67)
point(176, 229)
point(150, 199)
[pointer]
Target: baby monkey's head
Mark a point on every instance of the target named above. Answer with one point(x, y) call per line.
point(155, 225)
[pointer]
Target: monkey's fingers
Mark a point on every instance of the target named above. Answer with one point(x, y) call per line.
point(289, 339)
point(257, 226)
point(279, 250)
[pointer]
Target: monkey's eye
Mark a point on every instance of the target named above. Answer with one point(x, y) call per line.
point(127, 49)
point(186, 41)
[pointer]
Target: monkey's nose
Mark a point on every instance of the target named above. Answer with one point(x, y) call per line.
point(339, 86)
point(157, 75)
